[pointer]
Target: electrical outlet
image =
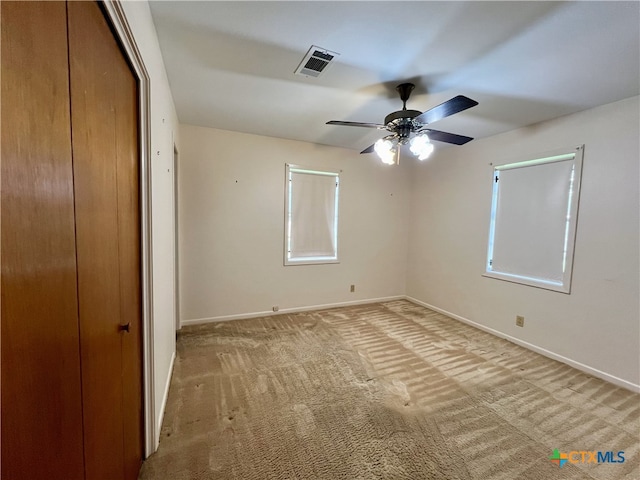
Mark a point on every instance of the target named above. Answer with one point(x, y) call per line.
point(519, 321)
point(353, 288)
point(276, 308)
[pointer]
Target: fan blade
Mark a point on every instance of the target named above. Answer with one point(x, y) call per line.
point(447, 137)
point(454, 105)
point(356, 124)
point(369, 149)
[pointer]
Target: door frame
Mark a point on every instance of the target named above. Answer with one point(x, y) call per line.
point(176, 244)
point(117, 17)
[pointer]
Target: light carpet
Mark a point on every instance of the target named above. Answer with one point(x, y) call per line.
point(382, 391)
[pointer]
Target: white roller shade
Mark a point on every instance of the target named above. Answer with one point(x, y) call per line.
point(533, 221)
point(311, 216)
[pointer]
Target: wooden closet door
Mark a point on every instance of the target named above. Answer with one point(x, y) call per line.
point(103, 117)
point(41, 397)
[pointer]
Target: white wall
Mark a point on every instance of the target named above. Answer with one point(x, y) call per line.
point(164, 132)
point(232, 226)
point(598, 324)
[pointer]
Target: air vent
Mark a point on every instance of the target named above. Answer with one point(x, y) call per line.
point(315, 62)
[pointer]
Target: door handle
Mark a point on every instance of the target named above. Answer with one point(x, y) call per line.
point(124, 328)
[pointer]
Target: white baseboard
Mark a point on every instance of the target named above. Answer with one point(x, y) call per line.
point(542, 351)
point(240, 316)
point(164, 401)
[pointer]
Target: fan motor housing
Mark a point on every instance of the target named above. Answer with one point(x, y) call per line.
point(401, 115)
point(401, 122)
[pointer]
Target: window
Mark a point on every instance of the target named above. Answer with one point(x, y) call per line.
point(533, 220)
point(311, 216)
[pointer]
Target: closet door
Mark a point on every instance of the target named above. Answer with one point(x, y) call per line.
point(105, 157)
point(41, 396)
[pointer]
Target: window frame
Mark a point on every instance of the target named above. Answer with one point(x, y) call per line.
point(573, 154)
point(319, 260)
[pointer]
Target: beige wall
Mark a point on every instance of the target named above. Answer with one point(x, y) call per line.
point(597, 326)
point(231, 205)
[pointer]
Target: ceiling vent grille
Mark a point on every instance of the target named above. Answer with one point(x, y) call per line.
point(315, 62)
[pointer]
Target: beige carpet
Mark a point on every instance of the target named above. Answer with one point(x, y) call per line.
point(382, 391)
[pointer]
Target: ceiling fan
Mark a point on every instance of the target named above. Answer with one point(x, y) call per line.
point(410, 126)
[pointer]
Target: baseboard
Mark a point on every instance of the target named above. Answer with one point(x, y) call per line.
point(530, 346)
point(164, 401)
point(240, 316)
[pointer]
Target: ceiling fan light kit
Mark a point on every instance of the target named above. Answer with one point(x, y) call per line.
point(386, 150)
point(421, 146)
point(409, 127)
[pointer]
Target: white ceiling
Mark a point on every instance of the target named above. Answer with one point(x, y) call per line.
point(231, 64)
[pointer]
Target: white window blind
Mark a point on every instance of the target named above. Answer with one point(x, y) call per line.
point(533, 220)
point(311, 224)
